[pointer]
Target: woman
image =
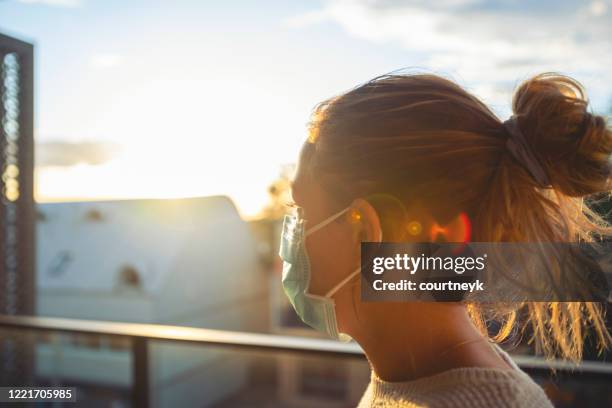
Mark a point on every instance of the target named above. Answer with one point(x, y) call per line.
point(402, 154)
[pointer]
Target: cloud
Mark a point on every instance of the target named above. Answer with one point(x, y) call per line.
point(64, 153)
point(483, 41)
point(306, 19)
point(598, 8)
point(105, 60)
point(53, 3)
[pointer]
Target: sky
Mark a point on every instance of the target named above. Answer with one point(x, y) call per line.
point(156, 99)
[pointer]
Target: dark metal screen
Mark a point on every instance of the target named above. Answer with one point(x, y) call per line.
point(17, 253)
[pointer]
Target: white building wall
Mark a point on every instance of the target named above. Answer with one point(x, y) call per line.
point(196, 263)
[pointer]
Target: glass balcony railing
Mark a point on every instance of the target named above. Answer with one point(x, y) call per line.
point(144, 365)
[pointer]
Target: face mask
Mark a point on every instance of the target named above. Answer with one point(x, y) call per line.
point(318, 312)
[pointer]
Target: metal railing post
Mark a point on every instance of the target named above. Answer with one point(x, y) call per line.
point(140, 372)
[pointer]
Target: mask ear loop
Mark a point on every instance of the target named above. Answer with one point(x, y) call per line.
point(325, 222)
point(356, 294)
point(344, 281)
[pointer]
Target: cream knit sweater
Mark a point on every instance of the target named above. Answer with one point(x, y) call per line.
point(461, 387)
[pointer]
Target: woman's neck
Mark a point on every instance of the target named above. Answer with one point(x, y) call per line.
point(414, 340)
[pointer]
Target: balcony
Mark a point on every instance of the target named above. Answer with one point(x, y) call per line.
point(151, 365)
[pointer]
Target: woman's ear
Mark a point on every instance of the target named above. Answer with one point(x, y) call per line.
point(365, 220)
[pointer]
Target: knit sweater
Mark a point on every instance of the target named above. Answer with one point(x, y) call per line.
point(476, 387)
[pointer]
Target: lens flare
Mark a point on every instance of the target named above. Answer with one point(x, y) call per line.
point(458, 230)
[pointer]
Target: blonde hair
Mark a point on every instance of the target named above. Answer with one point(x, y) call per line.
point(422, 137)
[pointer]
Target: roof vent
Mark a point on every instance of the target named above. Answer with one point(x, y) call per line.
point(94, 215)
point(128, 277)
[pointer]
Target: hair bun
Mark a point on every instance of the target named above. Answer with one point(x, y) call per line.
point(572, 145)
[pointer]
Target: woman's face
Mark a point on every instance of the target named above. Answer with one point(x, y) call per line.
point(333, 251)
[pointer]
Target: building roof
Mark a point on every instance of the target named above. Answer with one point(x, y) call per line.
point(131, 244)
